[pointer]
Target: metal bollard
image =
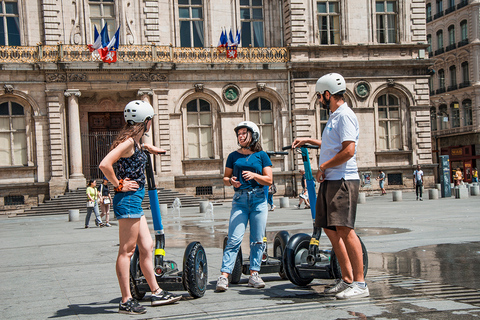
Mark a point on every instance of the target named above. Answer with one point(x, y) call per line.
point(284, 202)
point(73, 215)
point(397, 195)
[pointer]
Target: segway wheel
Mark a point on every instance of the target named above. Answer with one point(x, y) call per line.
point(195, 270)
point(335, 266)
point(135, 273)
point(237, 268)
point(279, 244)
point(296, 253)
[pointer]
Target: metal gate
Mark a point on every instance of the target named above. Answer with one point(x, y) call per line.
point(95, 147)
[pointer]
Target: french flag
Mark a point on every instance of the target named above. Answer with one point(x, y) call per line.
point(97, 44)
point(110, 51)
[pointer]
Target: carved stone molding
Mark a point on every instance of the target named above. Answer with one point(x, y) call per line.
point(148, 77)
point(77, 77)
point(231, 93)
point(362, 89)
point(198, 87)
point(56, 77)
point(145, 91)
point(8, 88)
point(72, 92)
point(261, 86)
point(390, 82)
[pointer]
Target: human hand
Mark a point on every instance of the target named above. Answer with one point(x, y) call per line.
point(248, 175)
point(298, 142)
point(129, 185)
point(234, 182)
point(320, 176)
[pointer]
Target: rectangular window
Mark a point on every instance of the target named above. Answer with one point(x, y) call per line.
point(251, 18)
point(199, 129)
point(9, 24)
point(190, 13)
point(455, 114)
point(328, 16)
point(389, 125)
point(386, 12)
point(260, 112)
point(102, 12)
point(13, 137)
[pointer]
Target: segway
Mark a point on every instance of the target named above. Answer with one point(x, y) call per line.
point(303, 259)
point(269, 264)
point(194, 276)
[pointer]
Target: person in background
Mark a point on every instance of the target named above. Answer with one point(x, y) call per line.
point(418, 182)
point(272, 189)
point(105, 201)
point(458, 177)
point(248, 170)
point(303, 196)
point(381, 181)
point(92, 198)
point(475, 175)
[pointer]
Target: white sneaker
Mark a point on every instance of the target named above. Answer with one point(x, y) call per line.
point(255, 281)
point(337, 288)
point(222, 283)
point(353, 292)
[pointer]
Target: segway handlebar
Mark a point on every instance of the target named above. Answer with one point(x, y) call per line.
point(308, 146)
point(274, 153)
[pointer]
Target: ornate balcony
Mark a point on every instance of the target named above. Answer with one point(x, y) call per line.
point(140, 53)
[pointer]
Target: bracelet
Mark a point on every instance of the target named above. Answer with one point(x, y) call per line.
point(320, 169)
point(230, 180)
point(120, 186)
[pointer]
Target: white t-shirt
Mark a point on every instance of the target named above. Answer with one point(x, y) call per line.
point(341, 126)
point(418, 175)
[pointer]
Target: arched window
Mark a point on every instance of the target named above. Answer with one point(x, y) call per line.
point(453, 78)
point(251, 17)
point(455, 112)
point(386, 19)
point(441, 79)
point(328, 16)
point(190, 14)
point(429, 41)
point(13, 138)
point(389, 121)
point(451, 35)
point(463, 30)
point(199, 129)
point(467, 112)
point(429, 12)
point(465, 75)
point(9, 23)
point(439, 39)
point(442, 111)
point(260, 112)
point(433, 118)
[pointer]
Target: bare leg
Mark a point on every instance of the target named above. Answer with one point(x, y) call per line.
point(354, 251)
point(145, 248)
point(341, 254)
point(128, 234)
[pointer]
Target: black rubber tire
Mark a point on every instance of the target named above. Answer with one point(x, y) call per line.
point(279, 245)
point(236, 274)
point(195, 270)
point(135, 273)
point(295, 253)
point(335, 266)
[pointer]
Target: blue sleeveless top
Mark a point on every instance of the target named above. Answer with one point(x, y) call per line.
point(133, 167)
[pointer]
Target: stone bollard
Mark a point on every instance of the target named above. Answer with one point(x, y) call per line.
point(73, 215)
point(461, 193)
point(438, 186)
point(397, 195)
point(433, 194)
point(362, 198)
point(163, 208)
point(203, 205)
point(452, 185)
point(284, 202)
point(474, 190)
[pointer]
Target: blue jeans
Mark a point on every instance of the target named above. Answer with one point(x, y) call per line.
point(270, 199)
point(98, 220)
point(246, 205)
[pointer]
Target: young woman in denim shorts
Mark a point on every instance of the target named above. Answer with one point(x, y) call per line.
point(248, 170)
point(129, 183)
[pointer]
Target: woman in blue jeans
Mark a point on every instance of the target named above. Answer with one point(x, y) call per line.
point(248, 170)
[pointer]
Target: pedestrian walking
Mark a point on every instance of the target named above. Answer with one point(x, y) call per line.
point(381, 181)
point(272, 189)
point(418, 182)
point(248, 170)
point(475, 175)
point(129, 182)
point(303, 196)
point(92, 204)
point(105, 201)
point(339, 184)
point(458, 177)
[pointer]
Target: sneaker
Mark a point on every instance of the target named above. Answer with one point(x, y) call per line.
point(255, 281)
point(417, 198)
point(164, 297)
point(307, 207)
point(337, 288)
point(108, 224)
point(273, 208)
point(298, 206)
point(421, 199)
point(131, 307)
point(353, 292)
point(222, 283)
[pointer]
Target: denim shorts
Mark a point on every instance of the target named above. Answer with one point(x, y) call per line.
point(128, 204)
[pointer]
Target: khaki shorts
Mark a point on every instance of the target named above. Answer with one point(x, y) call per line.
point(337, 204)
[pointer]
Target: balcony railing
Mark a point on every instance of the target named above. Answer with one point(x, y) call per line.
point(462, 43)
point(440, 90)
point(451, 9)
point(439, 51)
point(438, 15)
point(140, 53)
point(462, 4)
point(452, 87)
point(464, 84)
point(451, 47)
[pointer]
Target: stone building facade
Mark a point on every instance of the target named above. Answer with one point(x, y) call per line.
point(453, 33)
point(63, 105)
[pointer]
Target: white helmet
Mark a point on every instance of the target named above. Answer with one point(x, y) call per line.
point(252, 127)
point(332, 82)
point(138, 111)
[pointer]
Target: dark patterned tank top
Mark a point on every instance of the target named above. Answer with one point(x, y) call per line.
point(133, 167)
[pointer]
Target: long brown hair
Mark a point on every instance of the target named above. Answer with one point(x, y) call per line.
point(256, 147)
point(128, 131)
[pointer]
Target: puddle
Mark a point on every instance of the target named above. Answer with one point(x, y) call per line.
point(454, 264)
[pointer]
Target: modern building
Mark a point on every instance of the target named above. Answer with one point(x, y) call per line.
point(61, 105)
point(454, 38)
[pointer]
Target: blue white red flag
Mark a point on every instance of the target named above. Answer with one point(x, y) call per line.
point(110, 51)
point(97, 41)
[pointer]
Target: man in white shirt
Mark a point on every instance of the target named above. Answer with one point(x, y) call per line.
point(418, 182)
point(337, 197)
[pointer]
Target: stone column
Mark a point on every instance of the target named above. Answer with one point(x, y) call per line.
point(76, 178)
point(144, 95)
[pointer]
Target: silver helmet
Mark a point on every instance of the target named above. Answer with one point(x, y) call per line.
point(138, 111)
